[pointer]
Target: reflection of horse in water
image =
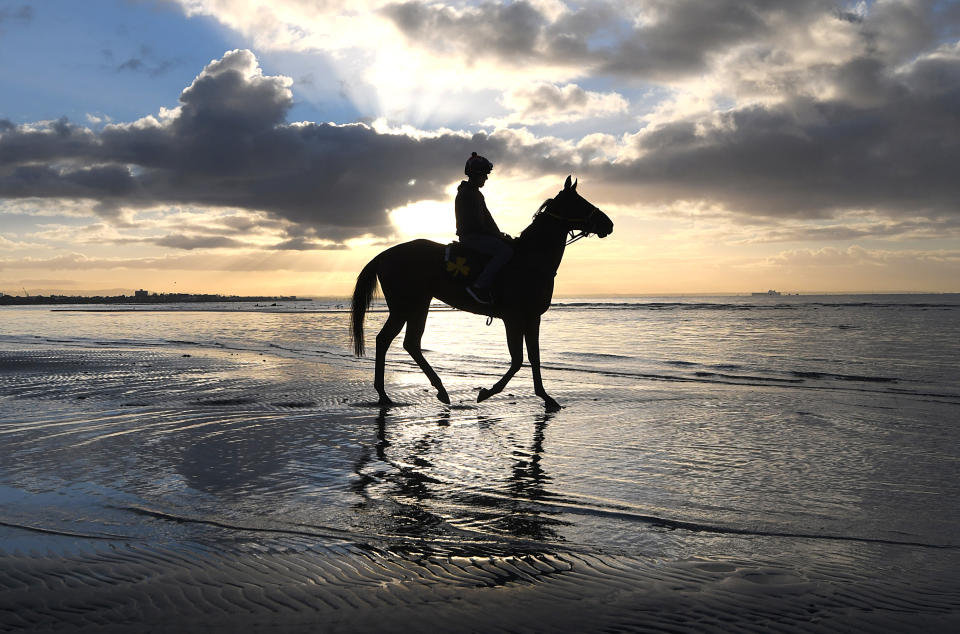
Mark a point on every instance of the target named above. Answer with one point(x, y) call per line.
point(411, 274)
point(403, 463)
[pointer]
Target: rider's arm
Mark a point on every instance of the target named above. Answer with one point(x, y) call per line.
point(467, 206)
point(486, 219)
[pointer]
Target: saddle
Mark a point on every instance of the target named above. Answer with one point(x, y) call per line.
point(463, 265)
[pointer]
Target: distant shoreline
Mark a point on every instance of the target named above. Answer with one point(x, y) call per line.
point(156, 298)
point(188, 298)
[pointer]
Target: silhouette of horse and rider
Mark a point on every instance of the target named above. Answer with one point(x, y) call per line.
point(516, 285)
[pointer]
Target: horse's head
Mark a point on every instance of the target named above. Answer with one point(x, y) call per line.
point(579, 213)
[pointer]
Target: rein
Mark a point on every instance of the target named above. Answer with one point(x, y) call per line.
point(572, 233)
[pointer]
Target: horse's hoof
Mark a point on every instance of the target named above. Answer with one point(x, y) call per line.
point(385, 402)
point(484, 394)
point(551, 405)
point(442, 395)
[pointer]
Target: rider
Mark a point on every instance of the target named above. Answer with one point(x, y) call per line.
point(477, 229)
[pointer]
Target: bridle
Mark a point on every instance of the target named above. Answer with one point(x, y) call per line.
point(574, 236)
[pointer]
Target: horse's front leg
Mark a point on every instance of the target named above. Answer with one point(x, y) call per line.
point(532, 332)
point(514, 328)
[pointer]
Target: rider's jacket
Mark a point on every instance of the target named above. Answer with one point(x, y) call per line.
point(472, 213)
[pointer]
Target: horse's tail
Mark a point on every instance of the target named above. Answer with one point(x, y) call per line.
point(362, 296)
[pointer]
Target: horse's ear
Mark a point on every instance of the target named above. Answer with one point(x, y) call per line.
point(567, 185)
point(575, 184)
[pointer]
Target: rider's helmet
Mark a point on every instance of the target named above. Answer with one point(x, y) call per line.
point(477, 164)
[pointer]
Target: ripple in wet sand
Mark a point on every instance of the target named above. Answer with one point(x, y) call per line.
point(301, 587)
point(263, 495)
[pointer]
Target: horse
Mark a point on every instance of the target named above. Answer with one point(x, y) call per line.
point(411, 274)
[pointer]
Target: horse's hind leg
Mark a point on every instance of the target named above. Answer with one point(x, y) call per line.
point(514, 330)
point(386, 336)
point(416, 322)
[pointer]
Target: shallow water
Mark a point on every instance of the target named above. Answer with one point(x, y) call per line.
point(787, 452)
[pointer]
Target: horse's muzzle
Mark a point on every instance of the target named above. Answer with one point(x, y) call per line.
point(600, 224)
point(603, 232)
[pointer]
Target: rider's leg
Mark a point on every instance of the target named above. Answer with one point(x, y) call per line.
point(500, 258)
point(500, 251)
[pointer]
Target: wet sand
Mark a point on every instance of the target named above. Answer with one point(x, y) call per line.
point(158, 490)
point(296, 587)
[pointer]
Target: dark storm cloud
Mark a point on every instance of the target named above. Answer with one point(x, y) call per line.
point(108, 181)
point(684, 33)
point(887, 139)
point(503, 30)
point(58, 140)
point(677, 37)
point(229, 145)
point(804, 157)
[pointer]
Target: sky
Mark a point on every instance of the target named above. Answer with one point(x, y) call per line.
point(275, 146)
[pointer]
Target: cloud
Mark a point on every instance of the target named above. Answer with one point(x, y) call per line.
point(855, 255)
point(261, 261)
point(306, 244)
point(144, 61)
point(654, 39)
point(62, 207)
point(49, 283)
point(10, 245)
point(188, 229)
point(547, 103)
point(23, 13)
point(228, 144)
point(180, 241)
point(507, 31)
point(809, 157)
point(777, 110)
point(670, 41)
point(871, 227)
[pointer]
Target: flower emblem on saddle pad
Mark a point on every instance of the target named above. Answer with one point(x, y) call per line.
point(458, 267)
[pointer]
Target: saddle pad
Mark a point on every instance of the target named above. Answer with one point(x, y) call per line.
point(463, 264)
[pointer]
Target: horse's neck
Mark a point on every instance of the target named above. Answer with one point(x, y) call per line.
point(543, 243)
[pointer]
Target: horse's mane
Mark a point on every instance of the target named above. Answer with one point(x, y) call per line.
point(546, 205)
point(542, 208)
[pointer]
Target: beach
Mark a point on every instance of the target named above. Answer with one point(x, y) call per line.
point(720, 464)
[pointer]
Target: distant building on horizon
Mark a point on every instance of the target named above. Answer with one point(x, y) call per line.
point(141, 293)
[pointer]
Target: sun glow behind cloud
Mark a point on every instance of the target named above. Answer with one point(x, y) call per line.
point(424, 219)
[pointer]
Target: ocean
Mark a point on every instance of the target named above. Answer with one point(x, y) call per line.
point(772, 463)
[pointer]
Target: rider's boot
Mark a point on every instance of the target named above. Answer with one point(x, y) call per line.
point(480, 295)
